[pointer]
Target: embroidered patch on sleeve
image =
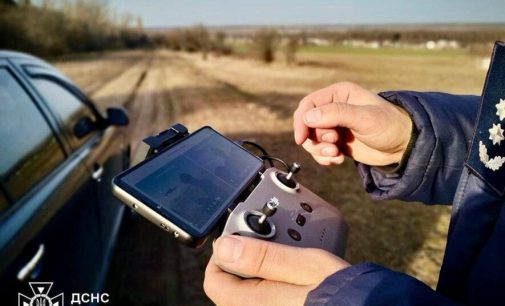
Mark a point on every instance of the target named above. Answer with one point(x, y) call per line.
point(496, 134)
point(494, 163)
point(500, 109)
point(486, 158)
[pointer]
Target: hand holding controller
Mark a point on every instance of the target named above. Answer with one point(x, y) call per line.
point(283, 211)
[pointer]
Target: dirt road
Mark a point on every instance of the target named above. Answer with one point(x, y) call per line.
point(248, 100)
point(159, 89)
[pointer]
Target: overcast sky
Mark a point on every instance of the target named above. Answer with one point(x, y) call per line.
point(159, 13)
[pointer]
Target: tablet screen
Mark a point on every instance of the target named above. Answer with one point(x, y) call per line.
point(193, 182)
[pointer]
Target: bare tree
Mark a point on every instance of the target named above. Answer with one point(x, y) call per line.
point(291, 46)
point(266, 42)
point(201, 37)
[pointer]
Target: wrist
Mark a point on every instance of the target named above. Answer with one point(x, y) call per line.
point(398, 167)
point(406, 136)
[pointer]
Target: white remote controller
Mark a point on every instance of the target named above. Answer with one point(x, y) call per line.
point(281, 210)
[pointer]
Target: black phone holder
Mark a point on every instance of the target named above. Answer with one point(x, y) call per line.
point(165, 138)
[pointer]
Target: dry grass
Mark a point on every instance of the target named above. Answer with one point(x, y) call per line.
point(248, 99)
point(406, 237)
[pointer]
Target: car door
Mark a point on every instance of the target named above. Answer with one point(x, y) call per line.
point(106, 148)
point(49, 226)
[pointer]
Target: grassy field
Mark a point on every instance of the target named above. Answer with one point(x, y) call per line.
point(246, 99)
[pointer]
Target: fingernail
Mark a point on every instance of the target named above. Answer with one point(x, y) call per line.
point(327, 151)
point(328, 137)
point(313, 115)
point(296, 136)
point(229, 249)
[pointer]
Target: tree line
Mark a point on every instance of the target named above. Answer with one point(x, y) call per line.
point(267, 44)
point(264, 43)
point(56, 27)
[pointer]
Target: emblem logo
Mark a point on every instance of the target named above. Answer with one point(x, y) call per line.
point(40, 296)
point(500, 109)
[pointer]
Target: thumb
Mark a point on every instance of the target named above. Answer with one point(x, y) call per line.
point(354, 117)
point(274, 261)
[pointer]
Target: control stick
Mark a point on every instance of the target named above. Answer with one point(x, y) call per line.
point(258, 223)
point(287, 179)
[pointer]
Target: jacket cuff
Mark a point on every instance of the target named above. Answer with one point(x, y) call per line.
point(369, 284)
point(444, 125)
point(328, 290)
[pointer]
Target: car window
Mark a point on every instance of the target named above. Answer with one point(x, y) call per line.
point(66, 105)
point(28, 150)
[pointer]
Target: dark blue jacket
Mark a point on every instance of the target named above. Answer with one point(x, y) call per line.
point(438, 171)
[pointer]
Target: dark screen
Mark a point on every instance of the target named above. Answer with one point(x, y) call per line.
point(197, 179)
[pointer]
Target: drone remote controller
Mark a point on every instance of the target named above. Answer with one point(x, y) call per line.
point(192, 184)
point(282, 210)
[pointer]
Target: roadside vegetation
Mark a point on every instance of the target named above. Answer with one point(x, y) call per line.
point(58, 27)
point(268, 44)
point(197, 38)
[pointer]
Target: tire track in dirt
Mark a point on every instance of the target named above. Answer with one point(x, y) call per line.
point(146, 258)
point(94, 71)
point(122, 89)
point(161, 99)
point(184, 93)
point(151, 107)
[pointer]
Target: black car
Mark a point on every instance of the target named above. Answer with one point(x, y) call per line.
point(58, 154)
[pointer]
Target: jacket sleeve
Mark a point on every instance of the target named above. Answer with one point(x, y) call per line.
point(445, 125)
point(372, 285)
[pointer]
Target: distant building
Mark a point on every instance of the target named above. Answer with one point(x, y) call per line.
point(442, 44)
point(318, 41)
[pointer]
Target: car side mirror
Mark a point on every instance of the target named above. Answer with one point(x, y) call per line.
point(83, 127)
point(117, 116)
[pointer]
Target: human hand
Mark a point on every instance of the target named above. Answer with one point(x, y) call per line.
point(346, 119)
point(284, 274)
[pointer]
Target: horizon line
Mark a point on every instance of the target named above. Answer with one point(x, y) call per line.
point(350, 25)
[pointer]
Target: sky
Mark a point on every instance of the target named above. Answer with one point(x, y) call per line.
point(166, 13)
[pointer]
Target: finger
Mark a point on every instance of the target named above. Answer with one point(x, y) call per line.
point(338, 92)
point(325, 135)
point(301, 131)
point(227, 289)
point(320, 148)
point(274, 261)
point(355, 117)
point(329, 161)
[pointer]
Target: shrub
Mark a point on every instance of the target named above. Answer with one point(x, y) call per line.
point(71, 26)
point(291, 46)
point(265, 43)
